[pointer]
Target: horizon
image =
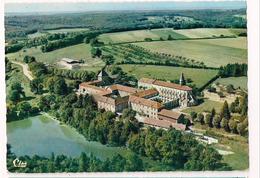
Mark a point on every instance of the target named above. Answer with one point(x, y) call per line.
point(23, 8)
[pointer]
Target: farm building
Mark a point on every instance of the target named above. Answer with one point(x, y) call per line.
point(69, 63)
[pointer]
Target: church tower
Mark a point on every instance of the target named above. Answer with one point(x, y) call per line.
point(182, 79)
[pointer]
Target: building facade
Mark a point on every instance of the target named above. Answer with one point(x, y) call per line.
point(149, 100)
point(170, 91)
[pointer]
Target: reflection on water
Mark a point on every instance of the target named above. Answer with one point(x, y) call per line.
point(42, 135)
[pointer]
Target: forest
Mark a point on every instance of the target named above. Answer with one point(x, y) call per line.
point(21, 26)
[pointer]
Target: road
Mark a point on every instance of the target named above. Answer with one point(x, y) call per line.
point(26, 70)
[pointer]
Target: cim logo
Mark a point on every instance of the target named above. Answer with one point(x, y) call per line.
point(19, 163)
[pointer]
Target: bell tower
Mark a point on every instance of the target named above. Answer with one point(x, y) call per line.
point(182, 79)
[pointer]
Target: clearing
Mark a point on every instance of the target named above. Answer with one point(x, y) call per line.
point(235, 81)
point(206, 106)
point(198, 76)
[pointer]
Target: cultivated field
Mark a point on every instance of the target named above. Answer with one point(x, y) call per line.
point(235, 81)
point(81, 51)
point(213, 52)
point(156, 34)
point(205, 32)
point(198, 76)
point(139, 35)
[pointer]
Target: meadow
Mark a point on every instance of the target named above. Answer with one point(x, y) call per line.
point(212, 52)
point(156, 34)
point(80, 51)
point(62, 30)
point(206, 106)
point(239, 159)
point(235, 81)
point(198, 76)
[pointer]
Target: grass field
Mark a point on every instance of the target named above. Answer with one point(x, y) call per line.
point(237, 144)
point(80, 51)
point(198, 76)
point(139, 35)
point(155, 34)
point(63, 30)
point(67, 30)
point(235, 81)
point(207, 105)
point(16, 75)
point(213, 52)
point(205, 32)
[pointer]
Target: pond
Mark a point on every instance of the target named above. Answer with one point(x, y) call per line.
point(42, 135)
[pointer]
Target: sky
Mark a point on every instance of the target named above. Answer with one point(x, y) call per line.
point(105, 6)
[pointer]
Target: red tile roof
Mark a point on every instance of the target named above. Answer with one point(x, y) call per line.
point(145, 102)
point(163, 124)
point(170, 114)
point(123, 88)
point(165, 84)
point(148, 92)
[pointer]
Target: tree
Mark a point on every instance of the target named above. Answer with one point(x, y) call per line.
point(36, 86)
point(216, 121)
point(133, 162)
point(224, 113)
point(60, 87)
point(193, 115)
point(200, 118)
point(241, 128)
point(96, 52)
point(232, 125)
point(224, 124)
point(83, 162)
point(169, 37)
point(24, 108)
point(28, 59)
point(18, 87)
point(14, 96)
point(208, 120)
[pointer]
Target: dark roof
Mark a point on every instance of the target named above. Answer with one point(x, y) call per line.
point(102, 73)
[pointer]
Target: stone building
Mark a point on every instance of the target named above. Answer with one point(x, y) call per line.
point(146, 100)
point(170, 91)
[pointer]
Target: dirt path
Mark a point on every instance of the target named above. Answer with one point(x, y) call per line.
point(26, 71)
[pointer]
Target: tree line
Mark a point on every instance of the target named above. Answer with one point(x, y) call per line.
point(69, 40)
point(233, 70)
point(83, 163)
point(237, 124)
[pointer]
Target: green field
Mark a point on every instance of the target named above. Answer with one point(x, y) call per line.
point(206, 106)
point(62, 30)
point(205, 32)
point(16, 75)
point(235, 81)
point(198, 76)
point(156, 34)
point(80, 51)
point(213, 52)
point(139, 35)
point(239, 160)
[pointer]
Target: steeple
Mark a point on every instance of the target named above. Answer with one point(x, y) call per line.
point(182, 79)
point(102, 74)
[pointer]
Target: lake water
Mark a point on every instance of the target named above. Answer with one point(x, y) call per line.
point(42, 135)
